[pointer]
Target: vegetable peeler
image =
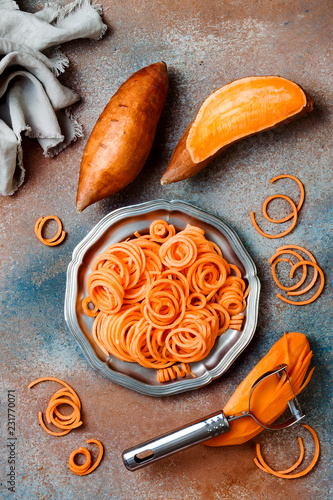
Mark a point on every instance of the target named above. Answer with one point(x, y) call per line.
point(204, 429)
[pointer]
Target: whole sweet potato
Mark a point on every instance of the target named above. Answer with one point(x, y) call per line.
point(237, 110)
point(122, 138)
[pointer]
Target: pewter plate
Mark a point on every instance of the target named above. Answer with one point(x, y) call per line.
point(121, 224)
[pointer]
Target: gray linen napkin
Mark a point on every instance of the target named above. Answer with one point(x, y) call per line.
point(32, 100)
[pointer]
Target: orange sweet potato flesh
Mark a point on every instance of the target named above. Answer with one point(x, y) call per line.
point(237, 110)
point(271, 397)
point(122, 138)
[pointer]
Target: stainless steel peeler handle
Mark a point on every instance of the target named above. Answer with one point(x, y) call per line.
point(204, 429)
point(176, 440)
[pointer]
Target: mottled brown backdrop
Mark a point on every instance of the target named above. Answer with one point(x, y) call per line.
point(206, 44)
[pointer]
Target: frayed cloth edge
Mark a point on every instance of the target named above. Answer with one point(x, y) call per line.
point(65, 10)
point(52, 151)
point(59, 61)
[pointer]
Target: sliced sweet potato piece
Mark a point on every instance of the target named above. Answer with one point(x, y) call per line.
point(122, 138)
point(237, 110)
point(271, 397)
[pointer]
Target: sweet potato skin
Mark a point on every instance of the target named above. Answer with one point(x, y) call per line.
point(122, 138)
point(181, 165)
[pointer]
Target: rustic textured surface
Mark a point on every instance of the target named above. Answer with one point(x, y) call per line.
point(205, 44)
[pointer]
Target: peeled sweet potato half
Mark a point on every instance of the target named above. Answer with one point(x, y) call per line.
point(271, 397)
point(122, 138)
point(237, 110)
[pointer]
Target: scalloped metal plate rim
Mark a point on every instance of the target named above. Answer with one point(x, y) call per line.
point(181, 385)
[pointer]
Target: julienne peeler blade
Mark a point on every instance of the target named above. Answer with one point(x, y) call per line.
point(203, 429)
point(293, 404)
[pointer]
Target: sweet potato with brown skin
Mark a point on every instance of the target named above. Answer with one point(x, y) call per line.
point(122, 138)
point(240, 109)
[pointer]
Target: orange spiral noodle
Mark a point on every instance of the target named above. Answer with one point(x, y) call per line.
point(150, 249)
point(153, 268)
point(236, 270)
point(105, 289)
point(179, 252)
point(195, 336)
point(207, 274)
point(171, 373)
point(231, 295)
point(196, 301)
point(283, 259)
point(163, 298)
point(286, 176)
point(287, 249)
point(98, 332)
point(116, 264)
point(203, 245)
point(86, 467)
point(64, 396)
point(222, 315)
point(132, 256)
point(86, 309)
point(236, 322)
point(294, 289)
point(290, 228)
point(57, 238)
point(316, 295)
point(165, 304)
point(161, 231)
point(285, 474)
point(147, 346)
point(177, 277)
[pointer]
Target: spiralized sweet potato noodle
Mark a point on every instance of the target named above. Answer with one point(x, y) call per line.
point(161, 231)
point(290, 469)
point(53, 433)
point(163, 302)
point(309, 254)
point(64, 396)
point(86, 467)
point(196, 301)
point(289, 250)
point(282, 259)
point(85, 306)
point(171, 373)
point(290, 228)
point(237, 271)
point(260, 462)
point(57, 238)
point(316, 295)
point(285, 219)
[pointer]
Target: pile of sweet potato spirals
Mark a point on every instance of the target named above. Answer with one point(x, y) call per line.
point(62, 397)
point(163, 297)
